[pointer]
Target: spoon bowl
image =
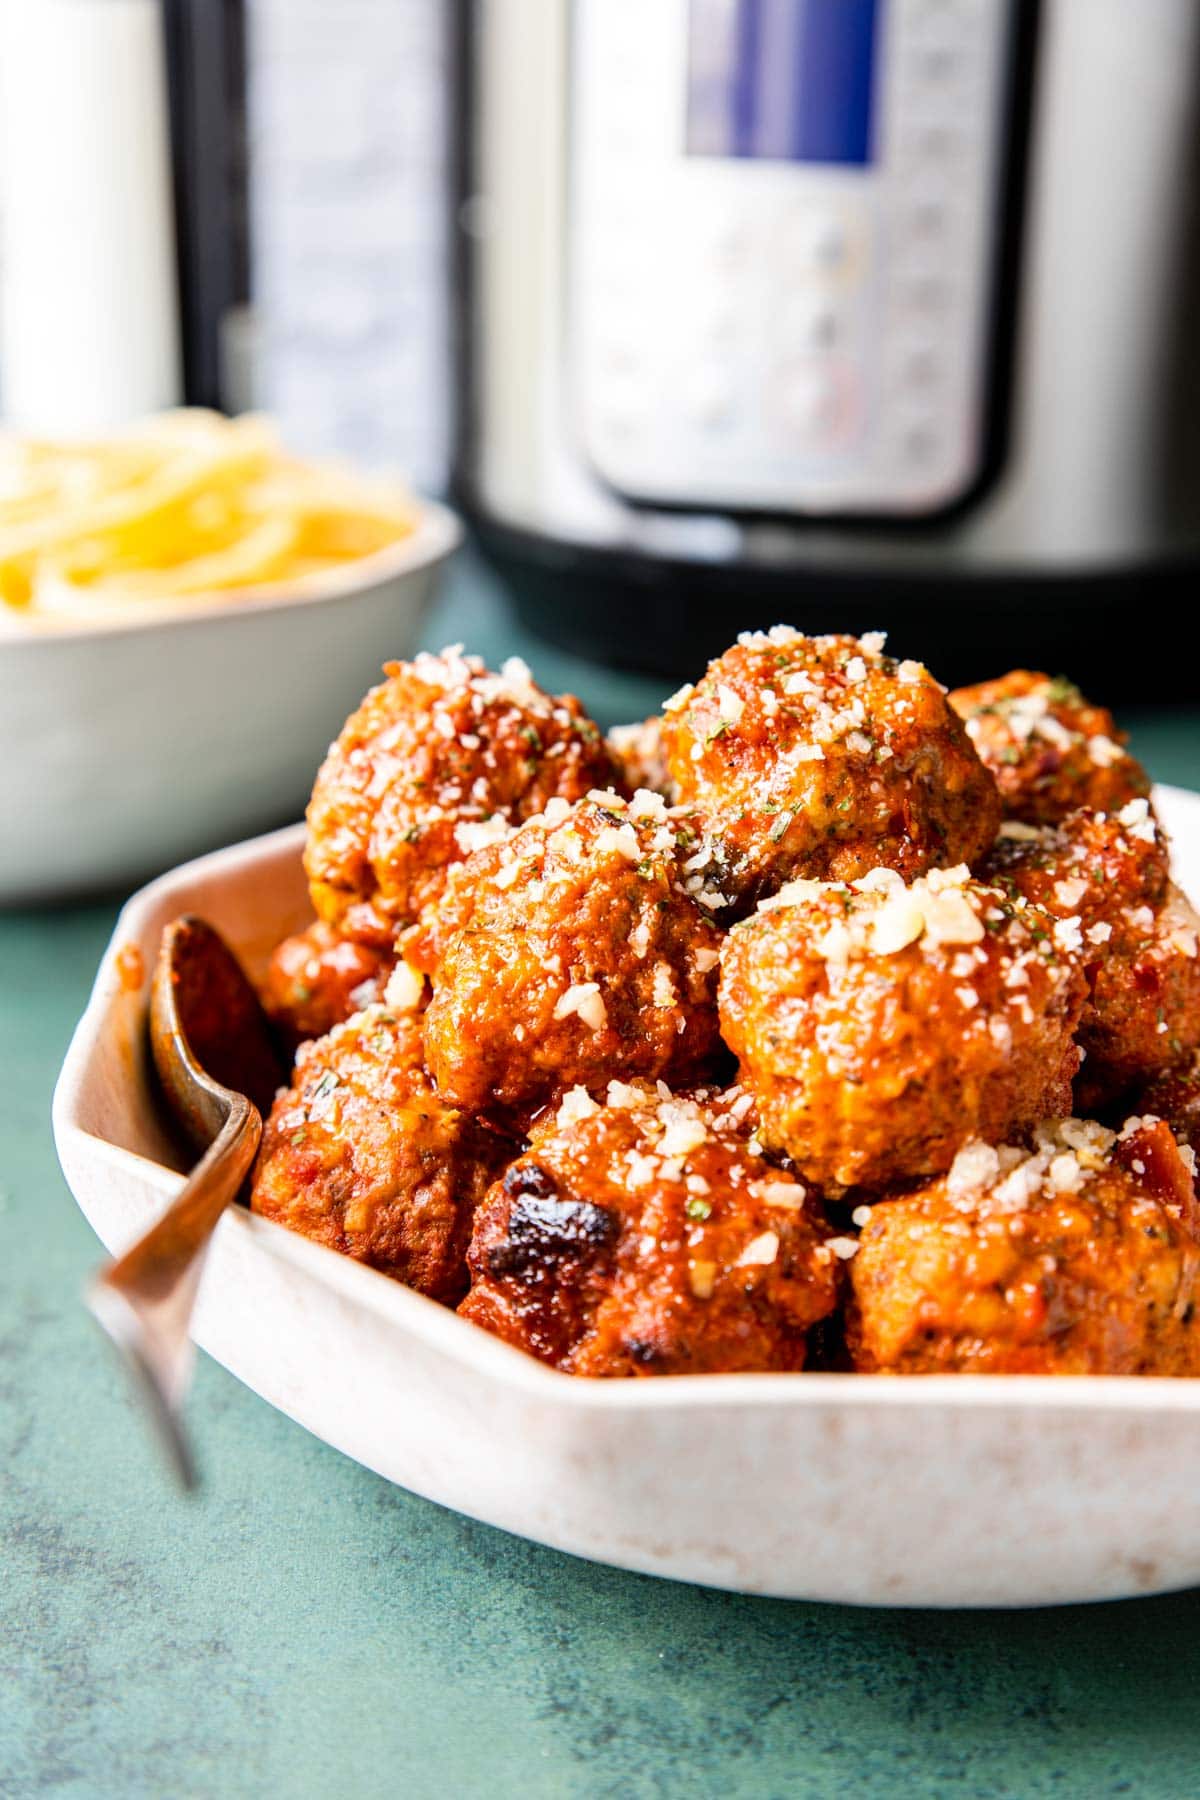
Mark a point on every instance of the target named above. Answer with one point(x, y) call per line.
point(218, 1067)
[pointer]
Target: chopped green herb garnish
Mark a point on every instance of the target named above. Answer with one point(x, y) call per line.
point(1062, 688)
point(695, 1208)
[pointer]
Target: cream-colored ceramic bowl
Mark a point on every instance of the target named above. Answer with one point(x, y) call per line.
point(130, 743)
point(931, 1491)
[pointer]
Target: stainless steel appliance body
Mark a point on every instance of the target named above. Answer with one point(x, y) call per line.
point(848, 311)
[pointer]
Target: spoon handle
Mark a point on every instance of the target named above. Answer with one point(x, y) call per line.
point(144, 1298)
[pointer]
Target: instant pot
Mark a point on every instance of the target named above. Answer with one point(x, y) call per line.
point(844, 312)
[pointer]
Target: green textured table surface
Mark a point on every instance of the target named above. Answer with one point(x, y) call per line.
point(301, 1628)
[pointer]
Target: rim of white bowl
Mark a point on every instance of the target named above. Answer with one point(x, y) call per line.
point(438, 532)
point(493, 1360)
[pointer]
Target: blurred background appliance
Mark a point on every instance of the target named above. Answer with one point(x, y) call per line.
point(236, 203)
point(845, 312)
point(90, 332)
point(708, 312)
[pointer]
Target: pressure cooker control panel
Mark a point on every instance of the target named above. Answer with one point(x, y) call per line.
point(782, 239)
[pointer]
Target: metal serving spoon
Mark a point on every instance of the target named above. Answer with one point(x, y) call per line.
point(219, 1068)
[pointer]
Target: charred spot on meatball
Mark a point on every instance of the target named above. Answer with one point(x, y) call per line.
point(880, 1025)
point(1078, 1257)
point(1050, 749)
point(361, 1154)
point(542, 1227)
point(437, 759)
point(645, 1233)
point(572, 952)
point(823, 758)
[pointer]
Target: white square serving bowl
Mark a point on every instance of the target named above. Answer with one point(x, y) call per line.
point(931, 1491)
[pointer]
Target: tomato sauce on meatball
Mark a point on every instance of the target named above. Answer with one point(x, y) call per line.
point(822, 758)
point(361, 1154)
point(1079, 1257)
point(648, 1236)
point(317, 979)
point(880, 1025)
point(576, 950)
point(1175, 1097)
point(1049, 748)
point(1109, 872)
point(438, 754)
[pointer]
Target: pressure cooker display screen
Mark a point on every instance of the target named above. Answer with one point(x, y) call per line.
point(785, 80)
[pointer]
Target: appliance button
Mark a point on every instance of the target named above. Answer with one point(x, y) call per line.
point(808, 322)
point(727, 247)
point(717, 326)
point(712, 400)
point(918, 440)
point(816, 400)
point(618, 426)
point(935, 144)
point(618, 361)
point(921, 366)
point(926, 218)
point(923, 292)
point(817, 241)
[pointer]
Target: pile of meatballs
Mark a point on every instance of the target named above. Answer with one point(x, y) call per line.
point(828, 1020)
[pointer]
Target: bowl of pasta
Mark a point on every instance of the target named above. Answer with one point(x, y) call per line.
point(186, 615)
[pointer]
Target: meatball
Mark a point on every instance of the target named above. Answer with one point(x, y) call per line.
point(1105, 879)
point(1145, 1013)
point(1093, 866)
point(574, 952)
point(1049, 749)
point(317, 979)
point(362, 1155)
point(823, 758)
point(1175, 1097)
point(638, 753)
point(648, 1236)
point(435, 758)
point(879, 1025)
point(1080, 1258)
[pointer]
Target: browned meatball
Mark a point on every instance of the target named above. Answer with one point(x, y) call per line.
point(638, 753)
point(1145, 1005)
point(824, 758)
point(1049, 748)
point(362, 1155)
point(880, 1025)
point(1175, 1097)
point(316, 979)
point(574, 953)
point(648, 1237)
point(1078, 1259)
point(437, 756)
point(1093, 866)
point(1105, 878)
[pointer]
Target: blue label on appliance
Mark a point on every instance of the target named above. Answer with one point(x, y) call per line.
point(783, 80)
